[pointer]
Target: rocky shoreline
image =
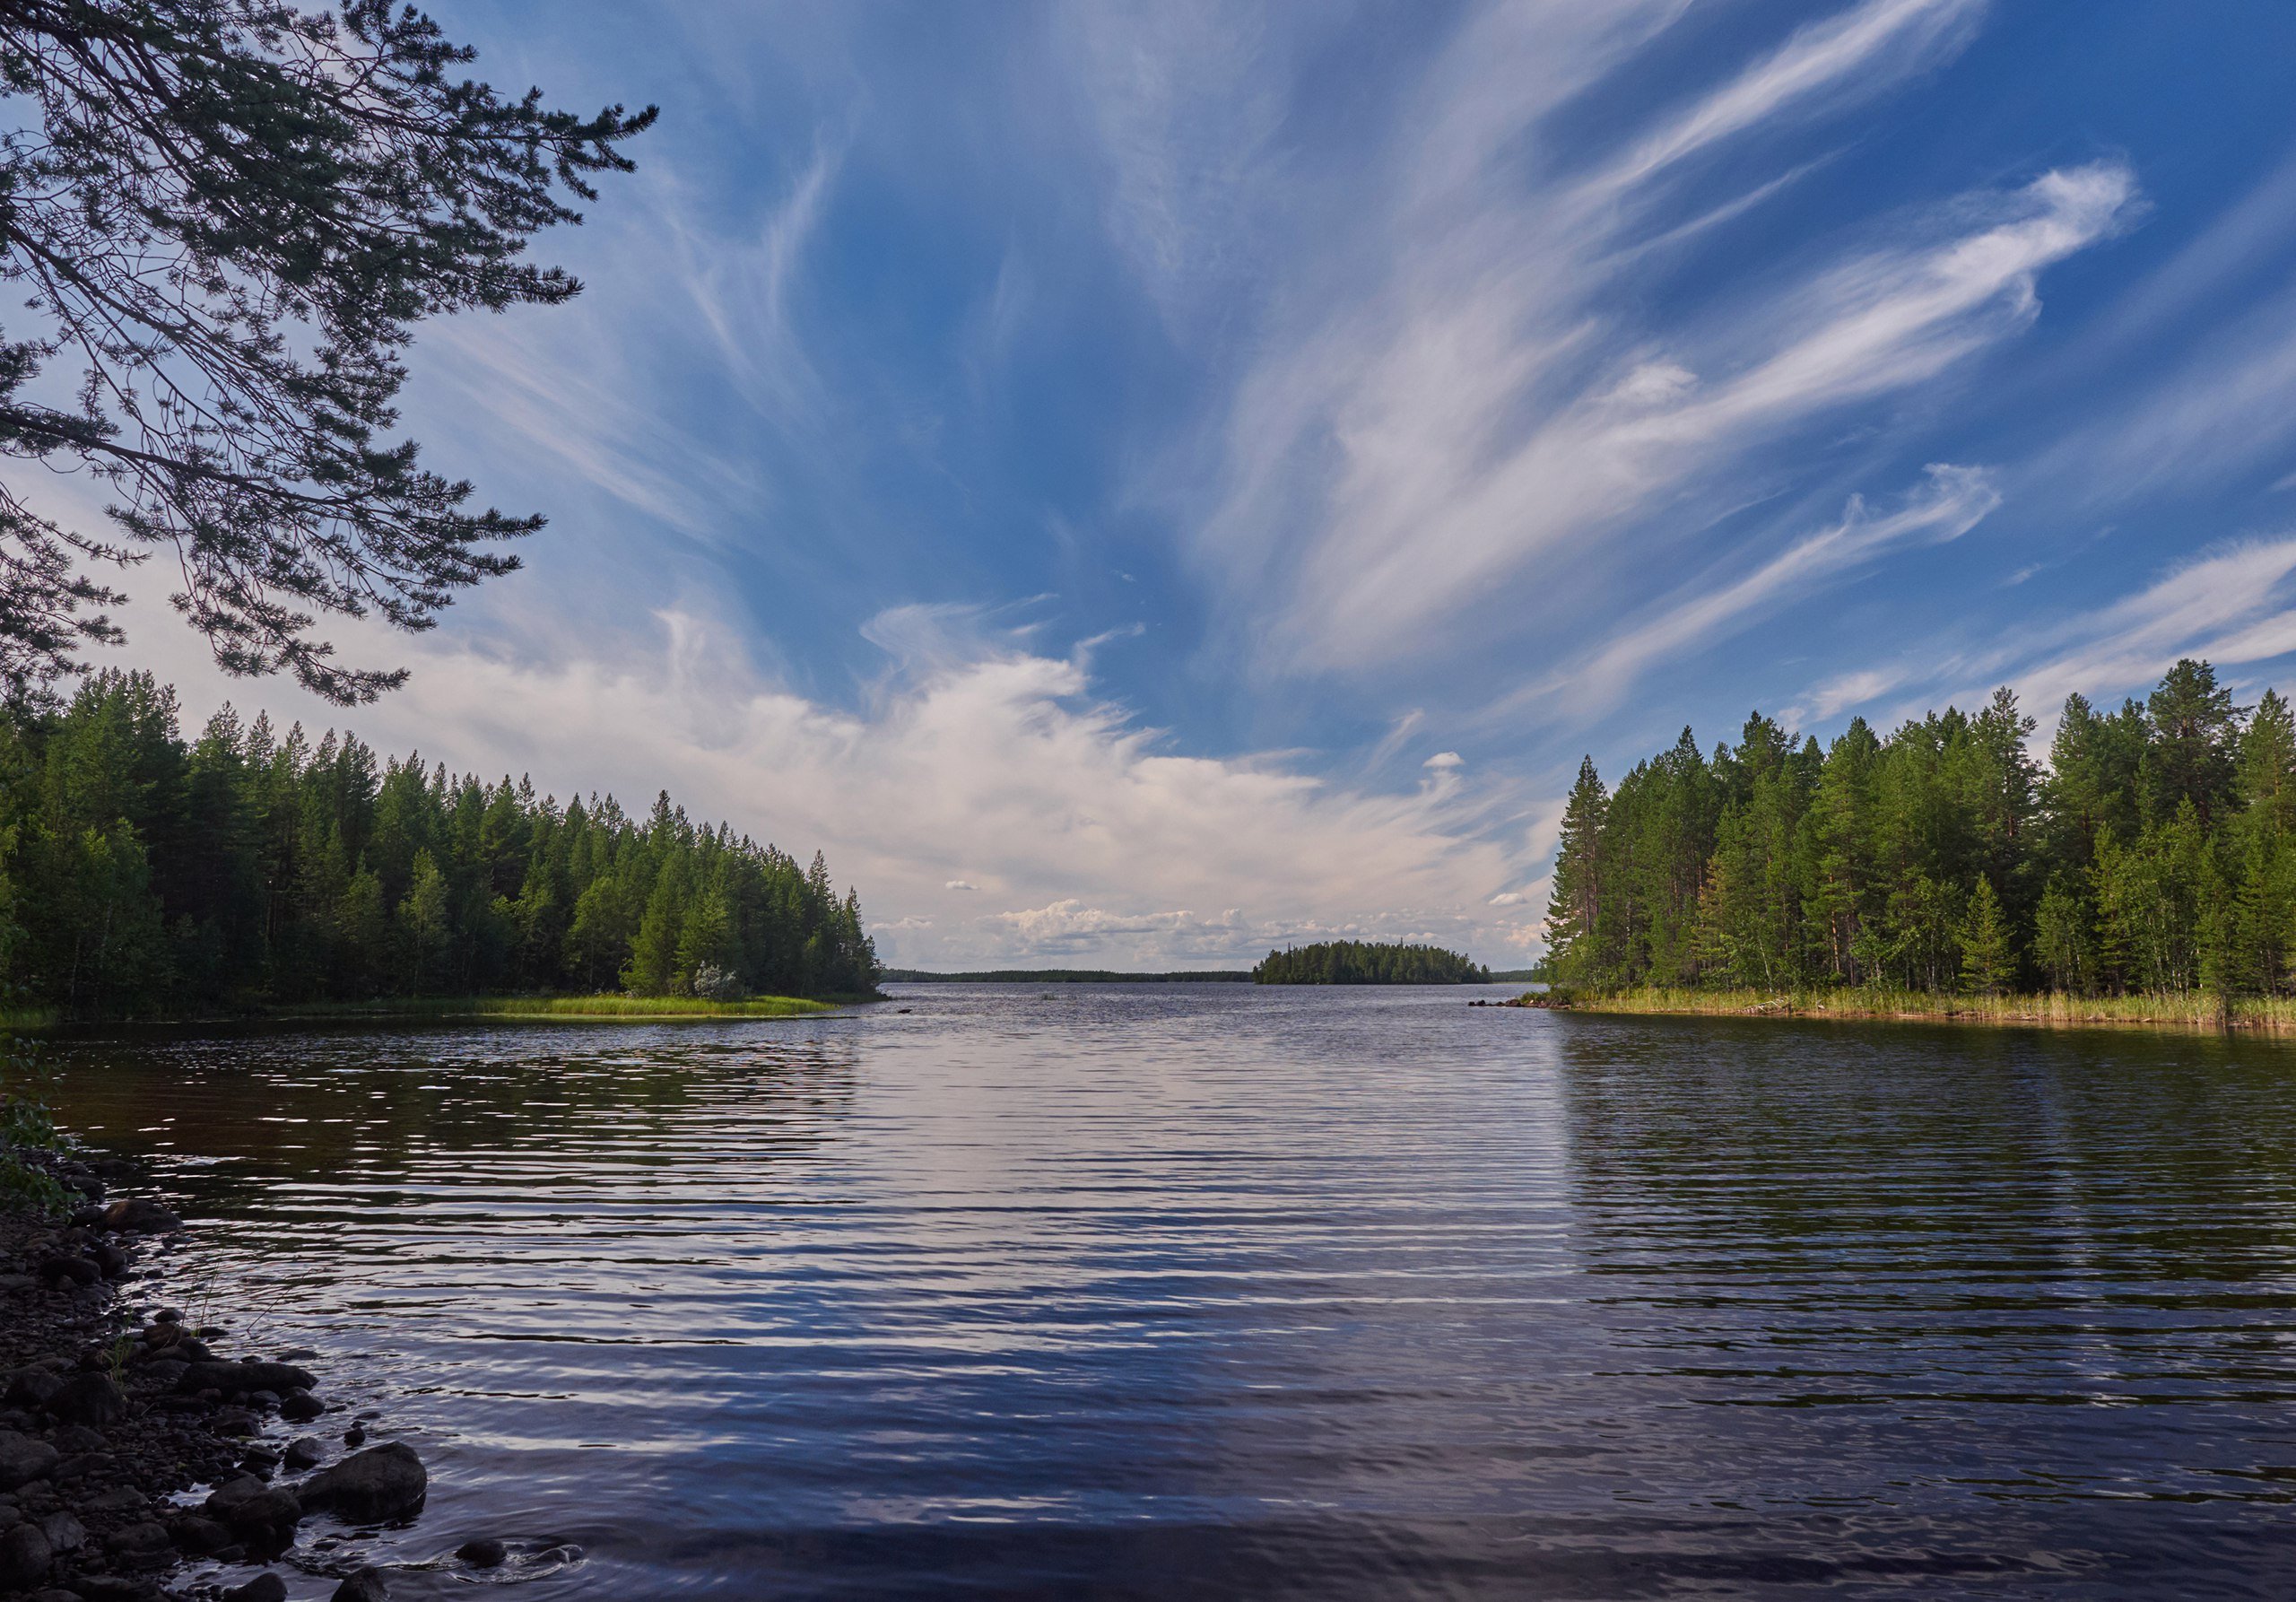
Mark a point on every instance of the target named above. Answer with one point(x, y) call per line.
point(117, 1416)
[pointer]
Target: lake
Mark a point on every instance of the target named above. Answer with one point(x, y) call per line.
point(1218, 1291)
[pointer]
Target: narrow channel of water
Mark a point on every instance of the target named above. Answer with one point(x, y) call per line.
point(1209, 1290)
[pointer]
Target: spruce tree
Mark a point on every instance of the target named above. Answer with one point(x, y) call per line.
point(1575, 900)
point(1989, 963)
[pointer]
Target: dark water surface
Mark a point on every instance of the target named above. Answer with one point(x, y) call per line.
point(1209, 1290)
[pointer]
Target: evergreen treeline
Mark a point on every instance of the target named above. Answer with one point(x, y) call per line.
point(139, 873)
point(1359, 963)
point(2155, 851)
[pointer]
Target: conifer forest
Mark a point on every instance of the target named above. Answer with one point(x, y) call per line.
point(142, 874)
point(2148, 848)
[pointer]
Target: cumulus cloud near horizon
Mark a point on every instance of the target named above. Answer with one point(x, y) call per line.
point(979, 771)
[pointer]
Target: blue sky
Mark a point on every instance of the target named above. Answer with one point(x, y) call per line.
point(1140, 484)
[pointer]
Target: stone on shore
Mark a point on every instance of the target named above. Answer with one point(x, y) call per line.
point(238, 1379)
point(197, 1535)
point(64, 1533)
point(29, 1387)
point(24, 1558)
point(145, 1545)
point(300, 1406)
point(303, 1452)
point(367, 1585)
point(88, 1400)
point(265, 1587)
point(382, 1482)
point(23, 1459)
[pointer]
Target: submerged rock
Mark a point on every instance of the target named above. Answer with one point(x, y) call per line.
point(265, 1587)
point(483, 1552)
point(141, 1215)
point(368, 1585)
point(381, 1483)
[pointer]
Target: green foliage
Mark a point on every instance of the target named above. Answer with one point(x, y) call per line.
point(25, 1126)
point(1359, 963)
point(141, 875)
point(223, 219)
point(2151, 854)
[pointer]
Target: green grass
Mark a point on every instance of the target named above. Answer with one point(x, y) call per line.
point(27, 1017)
point(2269, 1014)
point(565, 1006)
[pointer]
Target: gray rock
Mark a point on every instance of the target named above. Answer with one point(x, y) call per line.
point(80, 1271)
point(79, 1464)
point(145, 1216)
point(75, 1437)
point(120, 1499)
point(64, 1533)
point(141, 1545)
point(29, 1387)
point(88, 1400)
point(23, 1459)
point(367, 1585)
point(382, 1482)
point(115, 1587)
point(265, 1587)
point(16, 1285)
point(235, 1421)
point(24, 1558)
point(484, 1553)
point(237, 1379)
point(197, 1535)
point(230, 1493)
point(298, 1407)
point(304, 1452)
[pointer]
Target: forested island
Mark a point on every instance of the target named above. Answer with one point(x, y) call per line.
point(141, 874)
point(2145, 868)
point(1360, 962)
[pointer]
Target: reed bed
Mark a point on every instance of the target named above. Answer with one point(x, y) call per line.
point(2272, 1014)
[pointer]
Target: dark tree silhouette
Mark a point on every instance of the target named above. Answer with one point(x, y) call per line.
point(224, 218)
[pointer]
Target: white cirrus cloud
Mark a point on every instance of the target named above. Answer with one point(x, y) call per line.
point(1459, 381)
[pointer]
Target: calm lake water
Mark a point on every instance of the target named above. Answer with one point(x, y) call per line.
point(1155, 1292)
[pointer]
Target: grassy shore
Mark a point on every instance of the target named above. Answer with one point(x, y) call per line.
point(564, 1006)
point(2269, 1014)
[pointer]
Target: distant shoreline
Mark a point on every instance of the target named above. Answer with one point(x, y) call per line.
point(2261, 1014)
point(1066, 976)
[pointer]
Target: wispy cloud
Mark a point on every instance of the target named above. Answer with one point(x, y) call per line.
point(1950, 502)
point(2233, 605)
point(1479, 400)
